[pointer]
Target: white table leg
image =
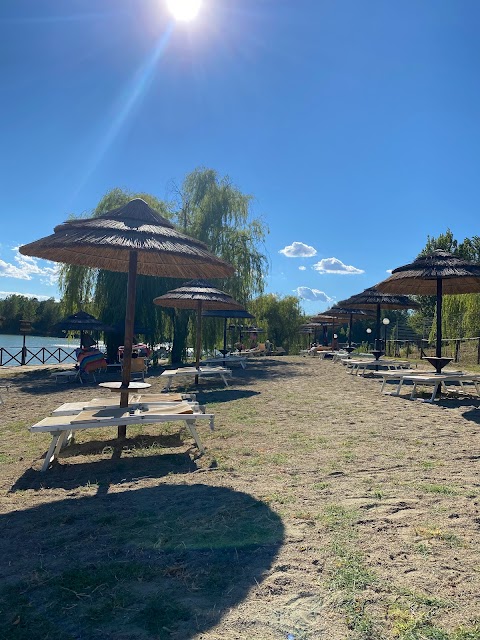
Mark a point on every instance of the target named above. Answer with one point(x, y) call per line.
point(224, 379)
point(54, 448)
point(435, 389)
point(193, 432)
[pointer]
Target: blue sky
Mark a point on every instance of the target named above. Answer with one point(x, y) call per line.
point(354, 124)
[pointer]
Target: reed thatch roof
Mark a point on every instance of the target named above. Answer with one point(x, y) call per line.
point(420, 277)
point(322, 318)
point(227, 313)
point(197, 291)
point(371, 297)
point(105, 242)
point(342, 312)
point(82, 321)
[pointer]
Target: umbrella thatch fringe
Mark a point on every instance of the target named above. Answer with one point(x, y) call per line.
point(372, 296)
point(420, 277)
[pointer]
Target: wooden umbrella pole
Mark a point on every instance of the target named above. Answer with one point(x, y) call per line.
point(198, 346)
point(438, 351)
point(377, 329)
point(128, 340)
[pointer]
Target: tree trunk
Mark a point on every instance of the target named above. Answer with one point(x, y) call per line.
point(180, 333)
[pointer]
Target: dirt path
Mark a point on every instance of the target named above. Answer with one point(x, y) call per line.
point(338, 512)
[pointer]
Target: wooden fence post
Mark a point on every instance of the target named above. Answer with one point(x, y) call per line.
point(457, 351)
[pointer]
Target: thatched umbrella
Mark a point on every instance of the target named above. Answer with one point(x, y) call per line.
point(82, 321)
point(226, 314)
point(199, 295)
point(435, 273)
point(135, 239)
point(325, 319)
point(311, 328)
point(373, 299)
point(341, 313)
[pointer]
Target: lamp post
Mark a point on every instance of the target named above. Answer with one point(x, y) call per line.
point(369, 331)
point(385, 322)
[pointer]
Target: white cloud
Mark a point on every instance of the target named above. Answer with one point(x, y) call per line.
point(26, 268)
point(302, 268)
point(389, 270)
point(5, 294)
point(305, 293)
point(298, 250)
point(11, 271)
point(334, 265)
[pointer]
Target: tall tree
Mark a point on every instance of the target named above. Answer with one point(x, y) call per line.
point(280, 318)
point(212, 209)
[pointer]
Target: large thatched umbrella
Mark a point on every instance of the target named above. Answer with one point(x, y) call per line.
point(341, 313)
point(373, 299)
point(226, 314)
point(199, 295)
point(435, 274)
point(135, 239)
point(82, 321)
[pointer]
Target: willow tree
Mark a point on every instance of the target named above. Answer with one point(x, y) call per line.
point(213, 210)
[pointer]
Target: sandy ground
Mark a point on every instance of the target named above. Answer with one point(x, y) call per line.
point(374, 500)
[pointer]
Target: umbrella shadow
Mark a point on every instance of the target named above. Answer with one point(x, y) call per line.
point(472, 414)
point(124, 464)
point(224, 395)
point(156, 563)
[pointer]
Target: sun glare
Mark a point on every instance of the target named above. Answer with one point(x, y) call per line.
point(184, 10)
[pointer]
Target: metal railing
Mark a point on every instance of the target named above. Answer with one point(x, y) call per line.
point(41, 355)
point(465, 350)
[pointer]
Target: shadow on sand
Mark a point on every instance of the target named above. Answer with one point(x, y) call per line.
point(152, 564)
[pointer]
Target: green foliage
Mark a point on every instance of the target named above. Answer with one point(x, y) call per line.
point(43, 314)
point(279, 317)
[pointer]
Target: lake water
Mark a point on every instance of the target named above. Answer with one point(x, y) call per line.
point(13, 344)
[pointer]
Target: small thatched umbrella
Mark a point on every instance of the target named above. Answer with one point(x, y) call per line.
point(341, 313)
point(82, 321)
point(199, 295)
point(226, 314)
point(435, 274)
point(311, 328)
point(325, 319)
point(135, 239)
point(373, 299)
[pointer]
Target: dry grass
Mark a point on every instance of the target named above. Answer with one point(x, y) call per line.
point(321, 509)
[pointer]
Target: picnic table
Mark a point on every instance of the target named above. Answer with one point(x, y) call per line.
point(226, 360)
point(192, 372)
point(439, 381)
point(67, 419)
point(365, 364)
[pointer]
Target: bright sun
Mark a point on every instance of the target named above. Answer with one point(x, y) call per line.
point(184, 10)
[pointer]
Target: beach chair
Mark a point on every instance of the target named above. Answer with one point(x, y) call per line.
point(138, 369)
